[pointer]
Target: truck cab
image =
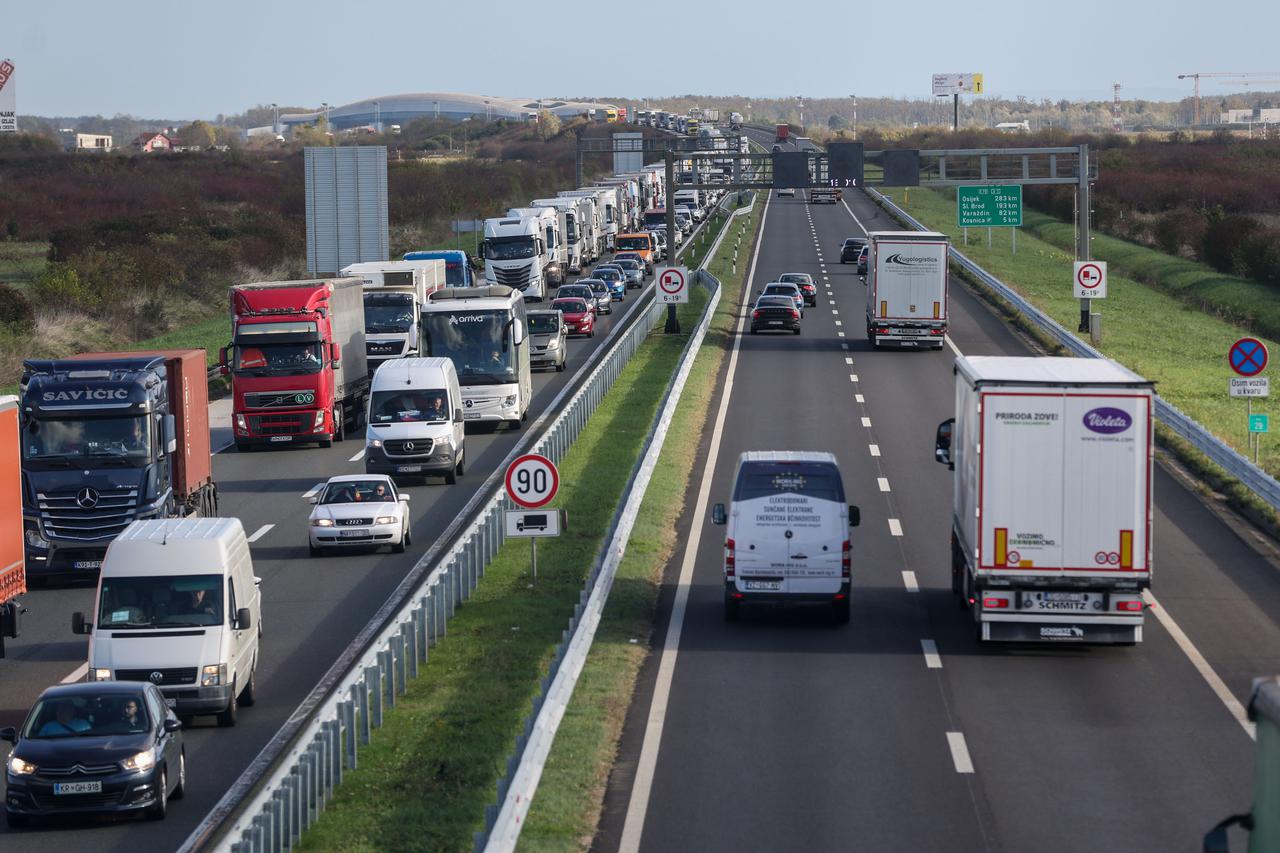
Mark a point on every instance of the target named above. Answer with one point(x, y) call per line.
point(457, 266)
point(394, 292)
point(514, 248)
point(555, 249)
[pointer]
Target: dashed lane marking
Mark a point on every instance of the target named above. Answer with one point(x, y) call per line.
point(260, 532)
point(931, 658)
point(875, 449)
point(959, 752)
point(895, 527)
point(883, 483)
point(866, 422)
point(909, 581)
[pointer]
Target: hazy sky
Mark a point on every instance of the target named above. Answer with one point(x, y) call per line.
point(181, 59)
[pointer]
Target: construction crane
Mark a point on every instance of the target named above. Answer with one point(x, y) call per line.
point(1248, 78)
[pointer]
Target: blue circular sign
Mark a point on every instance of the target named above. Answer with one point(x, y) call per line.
point(1248, 356)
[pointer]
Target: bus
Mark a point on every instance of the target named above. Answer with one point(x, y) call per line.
point(457, 266)
point(484, 330)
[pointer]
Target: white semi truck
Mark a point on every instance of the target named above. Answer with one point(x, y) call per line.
point(907, 288)
point(575, 215)
point(555, 249)
point(394, 293)
point(1052, 513)
point(514, 250)
point(607, 201)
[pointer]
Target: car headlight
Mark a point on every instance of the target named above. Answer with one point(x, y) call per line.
point(554, 343)
point(18, 767)
point(509, 401)
point(213, 675)
point(141, 762)
point(322, 522)
point(34, 539)
point(375, 442)
point(385, 519)
point(99, 675)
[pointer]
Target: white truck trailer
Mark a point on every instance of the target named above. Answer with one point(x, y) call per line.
point(1052, 513)
point(394, 293)
point(575, 215)
point(907, 288)
point(605, 200)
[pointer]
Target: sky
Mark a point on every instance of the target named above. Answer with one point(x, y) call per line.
point(186, 60)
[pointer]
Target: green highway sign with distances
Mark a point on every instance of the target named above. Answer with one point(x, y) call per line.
point(994, 206)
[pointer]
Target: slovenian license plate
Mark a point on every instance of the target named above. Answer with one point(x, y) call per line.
point(351, 534)
point(408, 469)
point(77, 788)
point(87, 564)
point(282, 438)
point(763, 586)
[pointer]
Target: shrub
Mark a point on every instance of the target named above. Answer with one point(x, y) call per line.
point(59, 286)
point(16, 313)
point(1223, 240)
point(1260, 255)
point(1178, 229)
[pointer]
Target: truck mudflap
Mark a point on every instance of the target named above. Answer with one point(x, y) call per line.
point(1060, 629)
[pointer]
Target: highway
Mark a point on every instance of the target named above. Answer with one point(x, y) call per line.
point(312, 608)
point(786, 731)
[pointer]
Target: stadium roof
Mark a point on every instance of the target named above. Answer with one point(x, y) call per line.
point(397, 109)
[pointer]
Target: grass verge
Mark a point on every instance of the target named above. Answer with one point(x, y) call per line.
point(424, 782)
point(570, 794)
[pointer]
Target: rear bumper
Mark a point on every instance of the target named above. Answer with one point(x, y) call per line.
point(766, 326)
point(742, 596)
point(1037, 628)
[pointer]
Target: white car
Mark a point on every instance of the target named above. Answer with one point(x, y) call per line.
point(787, 192)
point(355, 510)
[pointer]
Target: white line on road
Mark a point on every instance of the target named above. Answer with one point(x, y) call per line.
point(853, 377)
point(858, 398)
point(883, 482)
point(931, 658)
point(313, 491)
point(835, 312)
point(839, 334)
point(955, 349)
point(866, 422)
point(895, 527)
point(838, 323)
point(909, 581)
point(260, 532)
point(358, 456)
point(875, 449)
point(855, 218)
point(959, 752)
point(848, 359)
point(77, 674)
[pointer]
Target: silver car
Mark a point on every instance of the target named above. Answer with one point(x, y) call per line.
point(633, 270)
point(599, 292)
point(549, 339)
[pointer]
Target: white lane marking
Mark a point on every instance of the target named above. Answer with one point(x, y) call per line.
point(875, 449)
point(839, 334)
point(260, 532)
point(853, 377)
point(955, 349)
point(959, 752)
point(638, 805)
point(931, 657)
point(883, 483)
point(313, 491)
point(848, 359)
point(839, 323)
point(910, 582)
point(855, 218)
point(77, 674)
point(835, 312)
point(895, 527)
point(866, 422)
point(358, 456)
point(826, 278)
point(857, 398)
point(1202, 666)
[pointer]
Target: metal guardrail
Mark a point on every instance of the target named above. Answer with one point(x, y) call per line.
point(288, 784)
point(1236, 464)
point(516, 789)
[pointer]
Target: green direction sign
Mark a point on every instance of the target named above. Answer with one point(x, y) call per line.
point(993, 206)
point(1259, 423)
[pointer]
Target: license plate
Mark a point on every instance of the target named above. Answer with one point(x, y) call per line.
point(1065, 602)
point(87, 564)
point(282, 438)
point(77, 788)
point(408, 469)
point(172, 703)
point(913, 332)
point(471, 416)
point(763, 586)
point(351, 534)
point(775, 322)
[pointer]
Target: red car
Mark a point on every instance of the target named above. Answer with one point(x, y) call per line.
point(578, 316)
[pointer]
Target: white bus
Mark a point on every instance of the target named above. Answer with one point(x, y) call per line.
point(485, 332)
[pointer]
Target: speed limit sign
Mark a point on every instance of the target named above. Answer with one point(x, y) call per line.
point(673, 285)
point(532, 481)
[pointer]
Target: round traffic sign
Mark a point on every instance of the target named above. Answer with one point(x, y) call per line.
point(1248, 356)
point(1089, 276)
point(671, 281)
point(532, 481)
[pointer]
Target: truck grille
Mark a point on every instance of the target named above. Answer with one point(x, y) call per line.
point(383, 349)
point(179, 675)
point(514, 276)
point(289, 424)
point(278, 399)
point(408, 447)
point(88, 515)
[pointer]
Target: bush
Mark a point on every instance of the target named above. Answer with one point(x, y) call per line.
point(1224, 240)
point(59, 286)
point(1260, 255)
point(16, 313)
point(1179, 229)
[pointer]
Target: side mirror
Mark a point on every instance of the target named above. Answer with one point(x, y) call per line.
point(457, 414)
point(9, 733)
point(78, 624)
point(718, 514)
point(172, 726)
point(855, 516)
point(942, 445)
point(170, 437)
point(243, 619)
point(517, 332)
point(222, 358)
point(405, 498)
point(335, 352)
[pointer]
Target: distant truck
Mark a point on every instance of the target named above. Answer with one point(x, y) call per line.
point(107, 439)
point(13, 576)
point(577, 226)
point(457, 266)
point(735, 121)
point(555, 248)
point(782, 133)
point(514, 252)
point(297, 359)
point(825, 195)
point(394, 293)
point(907, 288)
point(1052, 513)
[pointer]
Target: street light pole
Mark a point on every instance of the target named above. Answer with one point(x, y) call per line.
point(855, 116)
point(275, 119)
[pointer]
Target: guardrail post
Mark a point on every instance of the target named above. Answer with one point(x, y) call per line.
point(433, 604)
point(292, 825)
point(373, 676)
point(348, 709)
point(413, 633)
point(386, 662)
point(308, 789)
point(335, 754)
point(280, 809)
point(402, 650)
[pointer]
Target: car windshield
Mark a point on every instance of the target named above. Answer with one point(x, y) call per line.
point(87, 442)
point(87, 715)
point(357, 491)
point(544, 324)
point(508, 248)
point(578, 291)
point(291, 359)
point(627, 264)
point(795, 278)
point(780, 301)
point(412, 405)
point(599, 287)
point(571, 306)
point(162, 601)
point(780, 290)
point(766, 479)
point(388, 312)
point(479, 342)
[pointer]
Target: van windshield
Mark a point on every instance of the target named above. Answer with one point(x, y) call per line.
point(411, 405)
point(818, 480)
point(172, 601)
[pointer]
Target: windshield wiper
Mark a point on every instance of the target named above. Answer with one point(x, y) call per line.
point(64, 458)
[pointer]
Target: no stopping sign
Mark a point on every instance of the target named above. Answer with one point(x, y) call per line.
point(673, 285)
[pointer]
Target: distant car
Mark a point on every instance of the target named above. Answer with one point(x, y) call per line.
point(354, 510)
point(661, 236)
point(579, 315)
point(804, 281)
point(95, 747)
point(693, 212)
point(634, 270)
point(617, 290)
point(787, 192)
point(775, 314)
point(549, 339)
point(684, 222)
point(852, 246)
point(778, 288)
point(578, 290)
point(609, 274)
point(862, 261)
point(632, 256)
point(600, 291)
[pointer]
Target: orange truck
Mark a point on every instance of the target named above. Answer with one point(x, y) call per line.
point(642, 243)
point(13, 576)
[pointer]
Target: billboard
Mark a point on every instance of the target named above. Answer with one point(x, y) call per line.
point(8, 99)
point(628, 155)
point(346, 207)
point(957, 84)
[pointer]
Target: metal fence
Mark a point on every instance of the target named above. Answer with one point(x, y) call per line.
point(1222, 454)
point(289, 783)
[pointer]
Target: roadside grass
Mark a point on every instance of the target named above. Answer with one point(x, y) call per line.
point(208, 334)
point(433, 767)
point(1181, 347)
point(21, 262)
point(570, 796)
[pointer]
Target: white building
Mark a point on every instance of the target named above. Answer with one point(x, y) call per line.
point(92, 142)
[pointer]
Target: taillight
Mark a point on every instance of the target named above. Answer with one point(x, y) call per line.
point(755, 315)
point(795, 315)
point(845, 563)
point(995, 603)
point(1132, 606)
point(937, 331)
point(729, 562)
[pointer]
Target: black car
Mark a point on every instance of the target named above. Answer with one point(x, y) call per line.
point(775, 314)
point(103, 747)
point(862, 260)
point(852, 246)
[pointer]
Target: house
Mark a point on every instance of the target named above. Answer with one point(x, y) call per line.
point(90, 142)
point(150, 142)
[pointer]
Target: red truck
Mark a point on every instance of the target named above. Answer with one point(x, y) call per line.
point(13, 576)
point(297, 361)
point(783, 133)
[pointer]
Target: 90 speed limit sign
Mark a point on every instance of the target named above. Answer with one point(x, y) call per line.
point(532, 481)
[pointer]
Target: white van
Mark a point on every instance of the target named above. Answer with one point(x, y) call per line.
point(178, 606)
point(788, 536)
point(415, 423)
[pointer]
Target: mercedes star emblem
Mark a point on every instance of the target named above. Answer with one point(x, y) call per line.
point(408, 445)
point(87, 498)
point(468, 404)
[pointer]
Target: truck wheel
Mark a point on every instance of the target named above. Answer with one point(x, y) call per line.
point(339, 424)
point(227, 718)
